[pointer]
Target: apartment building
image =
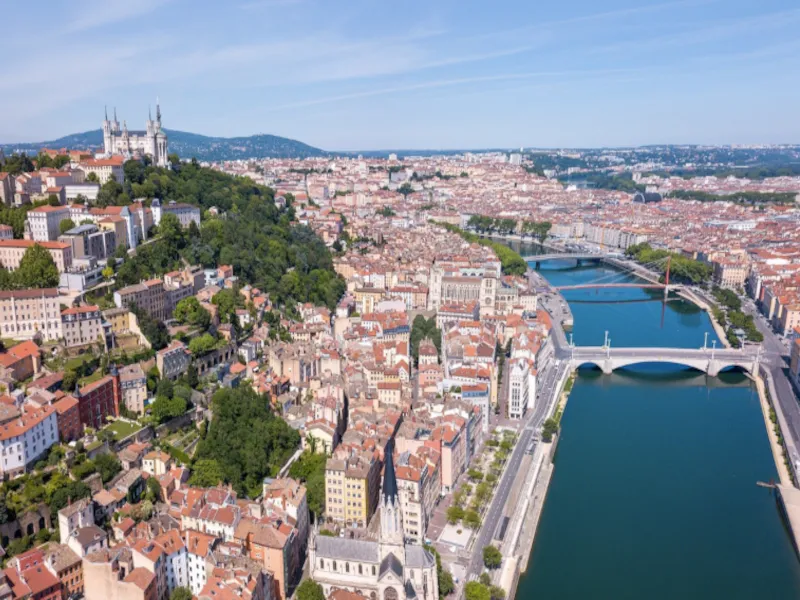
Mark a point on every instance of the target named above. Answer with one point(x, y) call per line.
point(104, 169)
point(173, 361)
point(730, 273)
point(99, 400)
point(147, 296)
point(25, 436)
point(12, 251)
point(89, 240)
point(186, 213)
point(352, 480)
point(84, 325)
point(111, 575)
point(520, 399)
point(43, 222)
point(133, 384)
point(157, 297)
point(25, 314)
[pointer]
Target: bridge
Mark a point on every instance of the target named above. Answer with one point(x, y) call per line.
point(564, 256)
point(592, 286)
point(708, 360)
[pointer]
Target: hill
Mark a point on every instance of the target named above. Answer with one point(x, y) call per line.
point(189, 145)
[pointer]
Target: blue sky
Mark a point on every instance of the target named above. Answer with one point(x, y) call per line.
point(368, 74)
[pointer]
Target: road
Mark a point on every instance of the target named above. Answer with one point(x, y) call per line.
point(775, 351)
point(545, 399)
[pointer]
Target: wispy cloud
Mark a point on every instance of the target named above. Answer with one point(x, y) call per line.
point(91, 14)
point(264, 4)
point(449, 83)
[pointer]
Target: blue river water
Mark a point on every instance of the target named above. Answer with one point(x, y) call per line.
point(654, 492)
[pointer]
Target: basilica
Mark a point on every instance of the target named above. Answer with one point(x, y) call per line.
point(151, 142)
point(386, 569)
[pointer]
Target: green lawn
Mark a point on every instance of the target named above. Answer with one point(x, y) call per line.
point(123, 429)
point(74, 363)
point(98, 374)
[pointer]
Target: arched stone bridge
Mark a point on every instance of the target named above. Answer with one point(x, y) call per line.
point(708, 360)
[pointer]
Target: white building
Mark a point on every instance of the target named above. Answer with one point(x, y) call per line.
point(75, 516)
point(186, 213)
point(43, 222)
point(25, 436)
point(151, 142)
point(519, 388)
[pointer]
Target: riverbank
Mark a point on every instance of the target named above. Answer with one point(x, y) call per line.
point(687, 294)
point(775, 443)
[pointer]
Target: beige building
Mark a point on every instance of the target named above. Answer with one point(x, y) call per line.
point(133, 381)
point(730, 273)
point(352, 481)
point(24, 314)
point(12, 251)
point(111, 575)
point(156, 463)
point(83, 325)
point(104, 168)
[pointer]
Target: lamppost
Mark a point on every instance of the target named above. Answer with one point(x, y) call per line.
point(705, 341)
point(713, 347)
point(605, 342)
point(608, 348)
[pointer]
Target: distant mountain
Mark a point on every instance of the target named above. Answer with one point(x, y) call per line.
point(189, 145)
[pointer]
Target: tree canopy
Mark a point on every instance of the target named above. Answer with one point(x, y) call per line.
point(259, 240)
point(36, 270)
point(422, 328)
point(246, 440)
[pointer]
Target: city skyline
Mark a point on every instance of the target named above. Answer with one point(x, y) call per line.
point(363, 77)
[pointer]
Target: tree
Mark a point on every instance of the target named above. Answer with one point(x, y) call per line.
point(37, 269)
point(153, 490)
point(497, 593)
point(66, 225)
point(549, 429)
point(92, 178)
point(492, 557)
point(190, 312)
point(165, 388)
point(202, 344)
point(206, 473)
point(246, 439)
point(69, 381)
point(180, 593)
point(422, 328)
point(310, 590)
point(455, 514)
point(310, 469)
point(485, 579)
point(191, 376)
point(475, 590)
point(107, 272)
point(164, 409)
point(472, 519)
point(406, 189)
point(108, 466)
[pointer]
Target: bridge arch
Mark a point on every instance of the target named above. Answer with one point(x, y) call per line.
point(711, 367)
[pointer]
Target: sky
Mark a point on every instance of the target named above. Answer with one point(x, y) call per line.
point(424, 74)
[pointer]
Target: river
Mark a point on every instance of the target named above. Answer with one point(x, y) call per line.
point(654, 492)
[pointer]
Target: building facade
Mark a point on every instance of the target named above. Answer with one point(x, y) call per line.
point(26, 314)
point(386, 569)
point(152, 142)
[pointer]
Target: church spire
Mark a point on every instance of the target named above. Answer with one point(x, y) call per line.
point(158, 110)
point(106, 107)
point(115, 114)
point(389, 478)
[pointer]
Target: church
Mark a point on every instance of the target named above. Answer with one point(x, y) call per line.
point(123, 142)
point(386, 569)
